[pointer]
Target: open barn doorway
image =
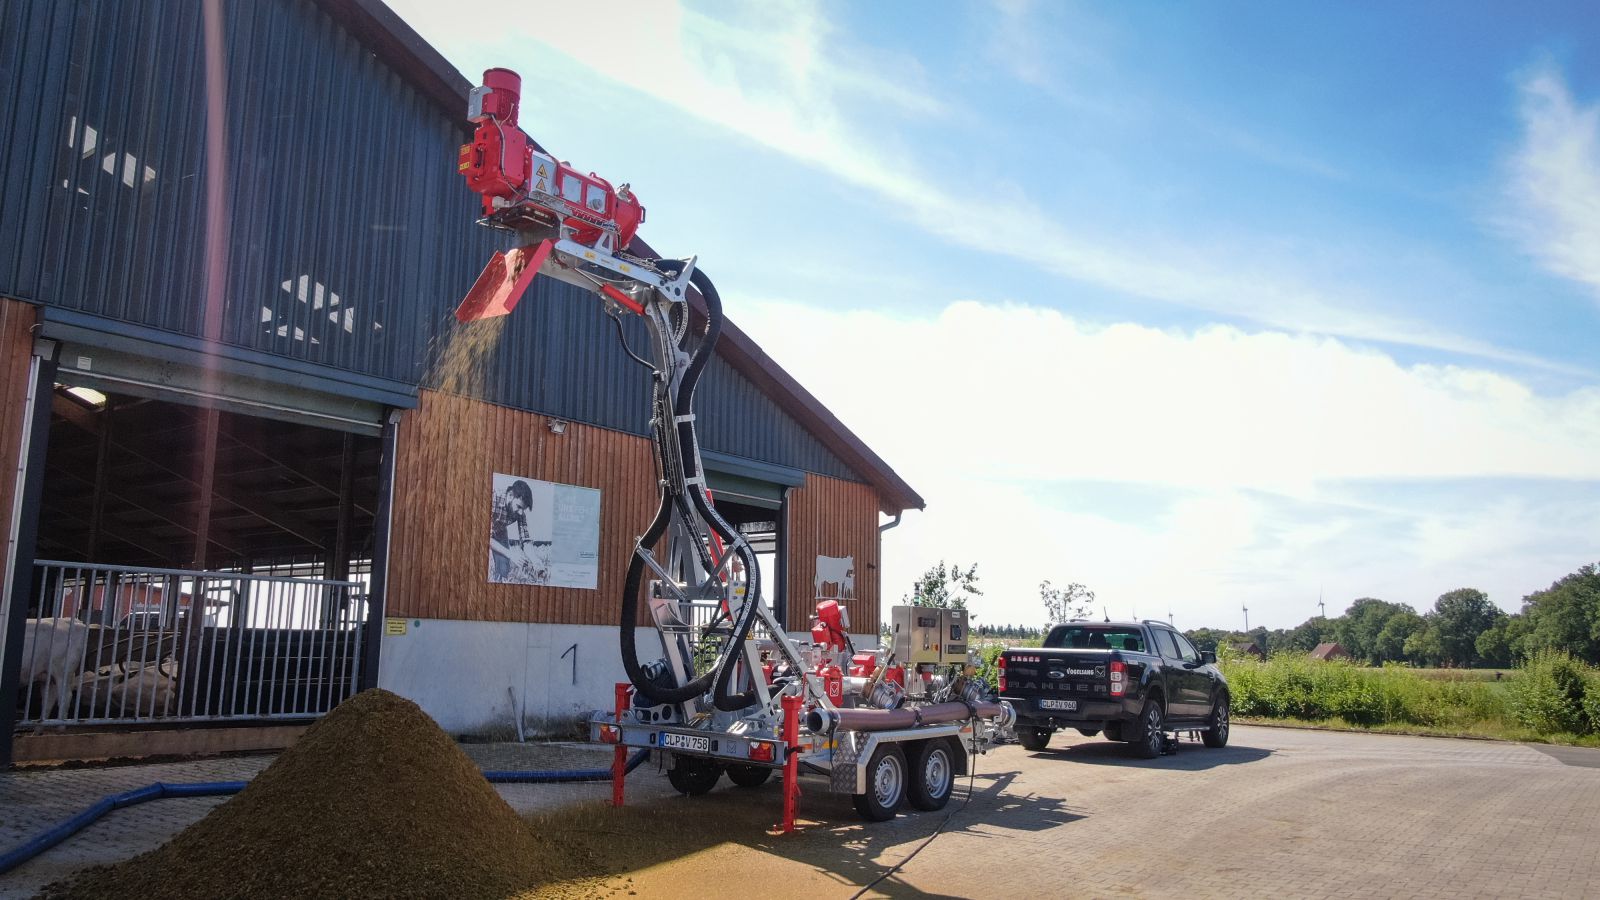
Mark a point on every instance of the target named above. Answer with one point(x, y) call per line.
point(196, 565)
point(762, 526)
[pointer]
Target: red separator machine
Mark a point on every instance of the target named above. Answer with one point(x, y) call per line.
point(731, 692)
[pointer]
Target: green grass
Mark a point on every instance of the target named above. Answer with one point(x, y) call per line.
point(1544, 701)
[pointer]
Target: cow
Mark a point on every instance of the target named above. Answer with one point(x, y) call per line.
point(839, 571)
point(52, 653)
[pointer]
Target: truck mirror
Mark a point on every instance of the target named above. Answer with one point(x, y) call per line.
point(1208, 658)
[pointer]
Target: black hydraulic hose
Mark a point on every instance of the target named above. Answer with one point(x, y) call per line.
point(721, 674)
point(723, 698)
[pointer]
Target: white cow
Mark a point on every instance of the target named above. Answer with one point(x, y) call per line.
point(52, 652)
point(839, 571)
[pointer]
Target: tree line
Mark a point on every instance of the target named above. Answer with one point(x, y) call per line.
point(1464, 628)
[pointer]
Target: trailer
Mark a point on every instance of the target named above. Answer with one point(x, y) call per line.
point(731, 692)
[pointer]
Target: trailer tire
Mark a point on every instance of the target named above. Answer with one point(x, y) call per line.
point(693, 775)
point(749, 776)
point(886, 784)
point(933, 775)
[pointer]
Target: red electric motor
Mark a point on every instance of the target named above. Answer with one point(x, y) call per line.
point(523, 186)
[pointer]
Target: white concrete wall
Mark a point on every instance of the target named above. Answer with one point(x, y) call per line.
point(473, 677)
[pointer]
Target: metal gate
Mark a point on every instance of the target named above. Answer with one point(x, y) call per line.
point(123, 644)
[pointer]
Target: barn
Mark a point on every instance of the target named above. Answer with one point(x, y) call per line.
point(250, 462)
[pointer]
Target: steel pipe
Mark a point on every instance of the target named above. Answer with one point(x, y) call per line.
point(821, 720)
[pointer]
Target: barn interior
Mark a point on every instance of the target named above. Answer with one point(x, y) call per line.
point(209, 564)
point(144, 482)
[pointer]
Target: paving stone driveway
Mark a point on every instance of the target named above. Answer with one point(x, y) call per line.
point(1278, 813)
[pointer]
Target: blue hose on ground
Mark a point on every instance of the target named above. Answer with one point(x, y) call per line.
point(60, 831)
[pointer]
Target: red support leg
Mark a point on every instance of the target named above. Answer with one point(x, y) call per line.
point(619, 754)
point(791, 760)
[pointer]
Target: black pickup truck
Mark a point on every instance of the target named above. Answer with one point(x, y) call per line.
point(1135, 681)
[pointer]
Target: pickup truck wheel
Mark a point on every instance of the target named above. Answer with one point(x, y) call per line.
point(692, 775)
point(1032, 738)
point(1216, 737)
point(1152, 734)
point(749, 776)
point(933, 775)
point(886, 784)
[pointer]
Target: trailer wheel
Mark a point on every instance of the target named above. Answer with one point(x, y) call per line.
point(933, 775)
point(692, 775)
point(886, 784)
point(749, 776)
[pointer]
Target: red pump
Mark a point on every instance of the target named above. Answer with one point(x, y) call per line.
point(546, 201)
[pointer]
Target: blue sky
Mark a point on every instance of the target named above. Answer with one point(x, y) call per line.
point(1204, 306)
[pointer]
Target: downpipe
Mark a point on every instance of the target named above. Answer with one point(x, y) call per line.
point(60, 831)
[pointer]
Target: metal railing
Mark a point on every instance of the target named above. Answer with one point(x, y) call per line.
point(124, 644)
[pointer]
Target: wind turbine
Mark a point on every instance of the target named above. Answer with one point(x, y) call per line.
point(1246, 618)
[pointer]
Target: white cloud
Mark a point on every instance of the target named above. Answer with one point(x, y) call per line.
point(1556, 179)
point(777, 79)
point(1243, 443)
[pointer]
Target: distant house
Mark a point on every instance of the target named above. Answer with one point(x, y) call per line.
point(1330, 650)
point(1250, 648)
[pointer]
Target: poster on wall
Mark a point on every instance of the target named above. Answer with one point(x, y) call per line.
point(544, 533)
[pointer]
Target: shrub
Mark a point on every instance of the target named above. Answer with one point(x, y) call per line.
point(1591, 699)
point(1297, 687)
point(1548, 697)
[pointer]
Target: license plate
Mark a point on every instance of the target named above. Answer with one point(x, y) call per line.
point(1068, 705)
point(670, 741)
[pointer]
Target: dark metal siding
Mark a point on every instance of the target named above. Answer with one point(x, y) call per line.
point(559, 354)
point(736, 418)
point(341, 181)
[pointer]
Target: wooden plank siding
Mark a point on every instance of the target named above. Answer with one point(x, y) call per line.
point(16, 357)
point(832, 517)
point(449, 449)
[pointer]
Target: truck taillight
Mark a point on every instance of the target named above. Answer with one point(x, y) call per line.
point(1002, 670)
point(763, 751)
point(610, 734)
point(1119, 677)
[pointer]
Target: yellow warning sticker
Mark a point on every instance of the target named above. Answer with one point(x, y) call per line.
point(541, 186)
point(543, 172)
point(394, 626)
